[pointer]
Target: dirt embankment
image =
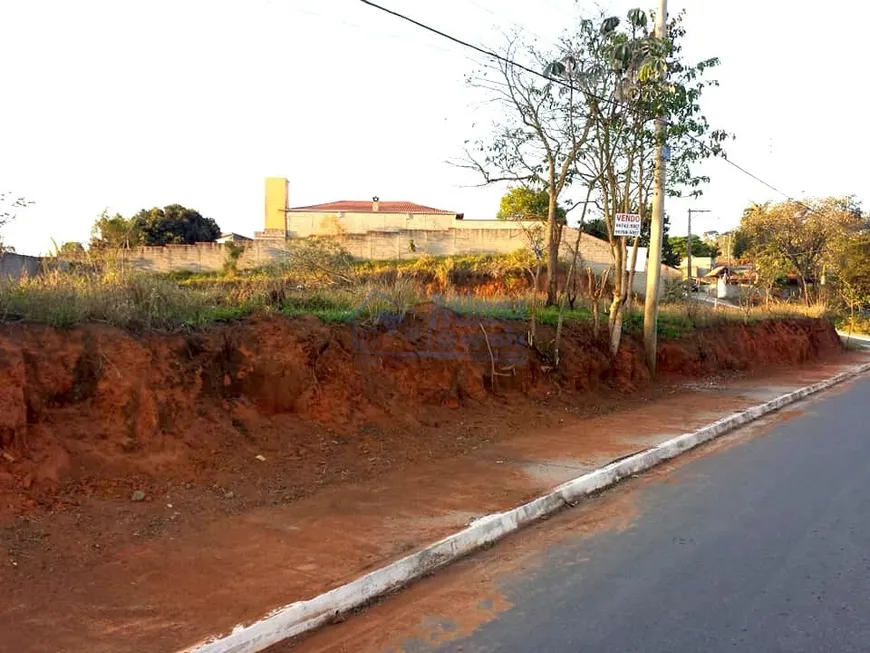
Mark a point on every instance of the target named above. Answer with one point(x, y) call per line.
point(95, 411)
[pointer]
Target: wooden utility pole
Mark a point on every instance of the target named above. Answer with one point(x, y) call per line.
point(654, 271)
point(689, 242)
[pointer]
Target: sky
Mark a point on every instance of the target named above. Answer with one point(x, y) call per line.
point(121, 106)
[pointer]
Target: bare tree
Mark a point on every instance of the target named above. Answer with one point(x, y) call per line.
point(595, 287)
point(535, 239)
point(570, 279)
point(536, 139)
point(8, 204)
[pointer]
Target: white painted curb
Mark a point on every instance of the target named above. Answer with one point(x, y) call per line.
point(305, 615)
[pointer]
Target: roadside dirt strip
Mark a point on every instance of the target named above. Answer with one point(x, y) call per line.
point(479, 493)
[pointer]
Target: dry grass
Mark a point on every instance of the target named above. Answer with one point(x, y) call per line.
point(132, 300)
point(319, 282)
point(118, 297)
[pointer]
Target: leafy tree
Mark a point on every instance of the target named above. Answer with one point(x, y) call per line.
point(853, 264)
point(597, 228)
point(171, 225)
point(627, 76)
point(71, 248)
point(852, 268)
point(669, 255)
point(805, 237)
point(739, 244)
point(680, 247)
point(732, 244)
point(771, 270)
point(175, 225)
point(525, 203)
point(115, 232)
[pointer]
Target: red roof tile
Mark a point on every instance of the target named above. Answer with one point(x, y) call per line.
point(353, 206)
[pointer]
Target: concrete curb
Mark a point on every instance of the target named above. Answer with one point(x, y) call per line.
point(302, 616)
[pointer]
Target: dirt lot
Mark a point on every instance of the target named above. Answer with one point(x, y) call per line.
point(277, 458)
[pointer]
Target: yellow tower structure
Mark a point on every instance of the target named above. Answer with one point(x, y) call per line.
point(277, 196)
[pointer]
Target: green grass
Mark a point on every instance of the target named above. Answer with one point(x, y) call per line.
point(327, 315)
point(859, 324)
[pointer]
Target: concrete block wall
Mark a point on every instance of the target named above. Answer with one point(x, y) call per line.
point(19, 265)
point(382, 245)
point(301, 224)
point(377, 245)
point(203, 257)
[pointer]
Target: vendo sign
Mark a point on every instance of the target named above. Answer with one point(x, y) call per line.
point(626, 224)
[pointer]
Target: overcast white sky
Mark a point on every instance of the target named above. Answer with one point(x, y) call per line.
point(123, 105)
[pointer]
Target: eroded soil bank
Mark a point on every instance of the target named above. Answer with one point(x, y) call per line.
point(95, 411)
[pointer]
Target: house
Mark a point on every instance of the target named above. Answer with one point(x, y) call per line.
point(717, 272)
point(700, 265)
point(718, 282)
point(232, 238)
point(711, 236)
point(359, 217)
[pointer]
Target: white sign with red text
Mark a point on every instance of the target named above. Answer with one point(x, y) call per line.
point(626, 224)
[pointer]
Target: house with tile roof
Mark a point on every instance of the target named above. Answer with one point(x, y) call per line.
point(359, 217)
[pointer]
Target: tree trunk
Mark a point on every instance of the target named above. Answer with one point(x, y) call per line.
point(806, 289)
point(534, 306)
point(554, 237)
point(631, 265)
point(572, 271)
point(617, 306)
point(615, 324)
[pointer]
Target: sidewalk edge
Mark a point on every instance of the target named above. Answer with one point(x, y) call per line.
point(296, 618)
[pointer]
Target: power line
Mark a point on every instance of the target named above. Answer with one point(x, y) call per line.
point(357, 26)
point(476, 48)
point(510, 62)
point(749, 174)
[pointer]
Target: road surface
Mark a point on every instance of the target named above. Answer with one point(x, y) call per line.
point(856, 340)
point(759, 543)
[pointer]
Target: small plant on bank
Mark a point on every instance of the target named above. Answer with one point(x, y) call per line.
point(233, 253)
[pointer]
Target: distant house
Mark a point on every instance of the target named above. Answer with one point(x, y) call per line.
point(359, 217)
point(718, 281)
point(711, 236)
point(718, 271)
point(233, 238)
point(700, 266)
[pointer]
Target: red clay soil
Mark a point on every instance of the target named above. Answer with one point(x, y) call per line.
point(94, 411)
point(255, 427)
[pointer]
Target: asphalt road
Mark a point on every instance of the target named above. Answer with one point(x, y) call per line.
point(763, 546)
